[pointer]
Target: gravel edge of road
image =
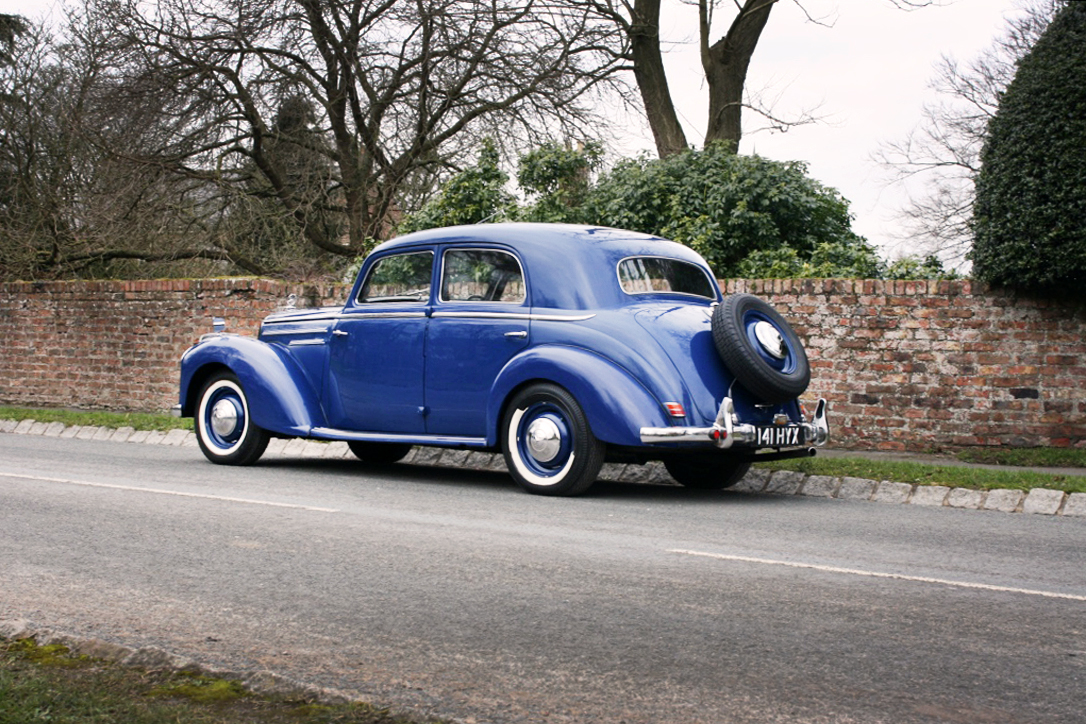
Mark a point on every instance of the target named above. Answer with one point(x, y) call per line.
point(261, 682)
point(1039, 501)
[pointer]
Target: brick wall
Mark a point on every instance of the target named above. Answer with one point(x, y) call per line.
point(929, 365)
point(905, 365)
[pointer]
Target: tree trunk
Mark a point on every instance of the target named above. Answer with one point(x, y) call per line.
point(725, 64)
point(651, 79)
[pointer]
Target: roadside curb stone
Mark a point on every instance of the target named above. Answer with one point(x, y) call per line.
point(23, 427)
point(820, 486)
point(54, 429)
point(8, 425)
point(1042, 501)
point(138, 436)
point(889, 492)
point(856, 489)
point(155, 437)
point(784, 482)
point(103, 433)
point(174, 437)
point(965, 498)
point(753, 482)
point(933, 495)
point(86, 433)
point(1004, 500)
point(1075, 505)
point(122, 434)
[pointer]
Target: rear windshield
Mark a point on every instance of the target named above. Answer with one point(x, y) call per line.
point(655, 275)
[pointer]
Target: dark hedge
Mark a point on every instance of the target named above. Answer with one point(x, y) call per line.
point(1030, 209)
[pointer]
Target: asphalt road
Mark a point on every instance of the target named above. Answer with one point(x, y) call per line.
point(454, 594)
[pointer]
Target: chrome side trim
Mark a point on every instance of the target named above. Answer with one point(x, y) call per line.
point(331, 433)
point(294, 318)
point(306, 342)
point(296, 330)
point(383, 315)
point(522, 316)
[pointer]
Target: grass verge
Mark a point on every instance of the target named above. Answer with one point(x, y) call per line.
point(137, 420)
point(49, 684)
point(1030, 457)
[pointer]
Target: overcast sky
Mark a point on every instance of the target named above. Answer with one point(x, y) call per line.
point(867, 73)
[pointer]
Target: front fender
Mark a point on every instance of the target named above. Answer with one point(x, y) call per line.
point(280, 397)
point(616, 404)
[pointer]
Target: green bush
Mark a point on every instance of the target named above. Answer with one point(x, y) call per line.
point(725, 206)
point(1030, 211)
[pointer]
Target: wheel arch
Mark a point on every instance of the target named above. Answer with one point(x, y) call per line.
point(616, 405)
point(280, 397)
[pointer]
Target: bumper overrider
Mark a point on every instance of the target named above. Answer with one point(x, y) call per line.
point(727, 431)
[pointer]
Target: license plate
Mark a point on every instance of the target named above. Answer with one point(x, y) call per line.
point(779, 436)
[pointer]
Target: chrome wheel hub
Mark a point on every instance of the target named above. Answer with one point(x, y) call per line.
point(224, 418)
point(770, 339)
point(544, 439)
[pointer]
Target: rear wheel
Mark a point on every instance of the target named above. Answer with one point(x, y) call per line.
point(226, 433)
point(549, 448)
point(379, 453)
point(706, 472)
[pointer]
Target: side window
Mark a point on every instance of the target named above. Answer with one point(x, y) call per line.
point(481, 275)
point(399, 278)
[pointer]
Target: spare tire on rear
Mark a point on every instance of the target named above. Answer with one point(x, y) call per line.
point(760, 348)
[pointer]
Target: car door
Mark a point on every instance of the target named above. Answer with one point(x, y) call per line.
point(378, 346)
point(480, 321)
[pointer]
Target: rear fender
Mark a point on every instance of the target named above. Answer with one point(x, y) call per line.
point(280, 397)
point(617, 405)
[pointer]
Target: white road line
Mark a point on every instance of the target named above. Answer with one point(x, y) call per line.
point(159, 491)
point(877, 574)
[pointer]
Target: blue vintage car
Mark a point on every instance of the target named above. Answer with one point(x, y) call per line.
point(560, 346)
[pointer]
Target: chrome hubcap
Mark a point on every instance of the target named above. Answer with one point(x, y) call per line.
point(544, 440)
point(770, 339)
point(224, 418)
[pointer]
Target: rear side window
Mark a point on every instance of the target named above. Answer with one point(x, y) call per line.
point(656, 275)
point(481, 275)
point(399, 278)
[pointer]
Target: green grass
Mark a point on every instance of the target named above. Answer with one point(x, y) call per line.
point(923, 474)
point(137, 420)
point(48, 684)
point(1044, 457)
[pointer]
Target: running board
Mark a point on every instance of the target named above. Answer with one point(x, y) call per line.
point(329, 433)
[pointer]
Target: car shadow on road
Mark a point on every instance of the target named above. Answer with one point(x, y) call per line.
point(498, 481)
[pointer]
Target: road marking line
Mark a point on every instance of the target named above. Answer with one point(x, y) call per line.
point(168, 492)
point(877, 574)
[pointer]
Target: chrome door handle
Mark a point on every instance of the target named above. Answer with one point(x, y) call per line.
point(340, 333)
point(516, 335)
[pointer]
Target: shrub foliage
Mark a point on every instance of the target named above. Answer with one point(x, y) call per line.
point(1030, 210)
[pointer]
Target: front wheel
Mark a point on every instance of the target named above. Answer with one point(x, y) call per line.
point(549, 448)
point(706, 472)
point(226, 434)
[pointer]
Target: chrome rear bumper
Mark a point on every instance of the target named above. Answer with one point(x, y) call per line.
point(727, 431)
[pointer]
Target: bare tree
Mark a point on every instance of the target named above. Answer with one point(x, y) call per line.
point(724, 61)
point(942, 153)
point(392, 90)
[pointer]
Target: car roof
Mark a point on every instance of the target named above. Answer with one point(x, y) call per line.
point(568, 266)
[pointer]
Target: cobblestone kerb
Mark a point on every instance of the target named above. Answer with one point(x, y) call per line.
point(1039, 501)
